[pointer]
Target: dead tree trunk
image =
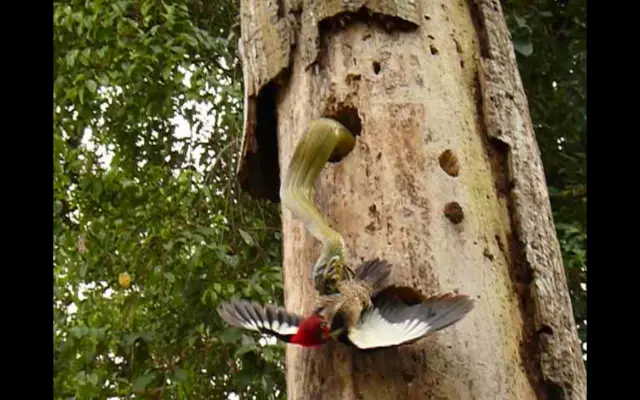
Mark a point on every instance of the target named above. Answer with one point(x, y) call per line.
point(445, 182)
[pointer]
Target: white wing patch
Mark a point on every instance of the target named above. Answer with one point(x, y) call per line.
point(392, 323)
point(255, 317)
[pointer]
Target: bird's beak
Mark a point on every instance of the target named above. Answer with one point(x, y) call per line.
point(335, 334)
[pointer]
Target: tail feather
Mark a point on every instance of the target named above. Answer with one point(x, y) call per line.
point(375, 272)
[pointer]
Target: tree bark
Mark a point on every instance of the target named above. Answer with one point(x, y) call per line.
point(445, 182)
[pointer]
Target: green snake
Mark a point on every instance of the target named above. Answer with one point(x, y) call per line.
point(325, 140)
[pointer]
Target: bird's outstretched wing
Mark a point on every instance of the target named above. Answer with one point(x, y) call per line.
point(375, 273)
point(392, 322)
point(255, 317)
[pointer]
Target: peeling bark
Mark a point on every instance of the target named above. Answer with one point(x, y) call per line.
point(445, 182)
point(267, 36)
point(391, 13)
point(546, 301)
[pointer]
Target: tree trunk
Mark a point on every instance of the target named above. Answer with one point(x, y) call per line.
point(445, 182)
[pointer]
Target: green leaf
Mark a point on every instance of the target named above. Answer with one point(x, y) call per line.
point(247, 340)
point(190, 39)
point(205, 294)
point(170, 277)
point(76, 332)
point(128, 183)
point(71, 57)
point(247, 238)
point(57, 207)
point(81, 376)
point(93, 379)
point(179, 375)
point(207, 231)
point(231, 335)
point(130, 338)
point(244, 349)
point(524, 47)
point(147, 336)
point(520, 21)
point(179, 50)
point(142, 382)
point(99, 333)
point(85, 56)
point(83, 269)
point(245, 377)
point(231, 261)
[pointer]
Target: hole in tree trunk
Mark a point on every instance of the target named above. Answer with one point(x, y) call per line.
point(376, 67)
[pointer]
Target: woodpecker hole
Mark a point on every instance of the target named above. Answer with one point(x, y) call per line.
point(453, 211)
point(449, 162)
point(433, 50)
point(376, 67)
point(348, 116)
point(545, 330)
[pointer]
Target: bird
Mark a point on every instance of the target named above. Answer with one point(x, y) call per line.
point(366, 313)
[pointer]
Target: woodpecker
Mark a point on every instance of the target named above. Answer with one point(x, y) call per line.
point(365, 313)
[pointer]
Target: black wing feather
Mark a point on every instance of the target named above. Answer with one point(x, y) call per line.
point(391, 322)
point(255, 317)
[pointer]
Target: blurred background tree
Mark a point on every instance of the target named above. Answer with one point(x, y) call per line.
point(150, 228)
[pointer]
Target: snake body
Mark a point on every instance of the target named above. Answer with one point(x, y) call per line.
point(358, 308)
point(324, 140)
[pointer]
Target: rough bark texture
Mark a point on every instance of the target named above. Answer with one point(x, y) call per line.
point(445, 182)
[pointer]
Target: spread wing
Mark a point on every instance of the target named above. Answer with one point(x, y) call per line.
point(267, 319)
point(375, 273)
point(391, 322)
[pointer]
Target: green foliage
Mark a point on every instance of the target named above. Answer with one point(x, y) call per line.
point(165, 209)
point(554, 77)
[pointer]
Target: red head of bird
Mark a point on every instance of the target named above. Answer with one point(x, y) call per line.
point(312, 332)
point(364, 313)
